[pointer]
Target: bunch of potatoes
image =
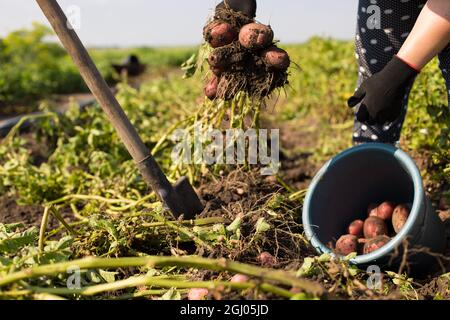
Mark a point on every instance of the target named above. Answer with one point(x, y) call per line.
point(244, 56)
point(384, 222)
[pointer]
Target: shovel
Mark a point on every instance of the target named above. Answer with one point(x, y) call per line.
point(180, 199)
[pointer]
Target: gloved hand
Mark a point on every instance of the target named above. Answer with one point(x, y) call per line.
point(247, 7)
point(383, 93)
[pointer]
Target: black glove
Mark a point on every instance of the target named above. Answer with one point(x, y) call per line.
point(247, 7)
point(382, 94)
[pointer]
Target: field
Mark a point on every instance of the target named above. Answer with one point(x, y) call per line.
point(78, 222)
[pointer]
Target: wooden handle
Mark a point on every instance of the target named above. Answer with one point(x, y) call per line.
point(98, 86)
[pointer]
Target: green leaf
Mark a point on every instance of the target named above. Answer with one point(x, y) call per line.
point(189, 66)
point(326, 257)
point(18, 241)
point(235, 225)
point(172, 294)
point(108, 276)
point(262, 226)
point(307, 269)
point(351, 256)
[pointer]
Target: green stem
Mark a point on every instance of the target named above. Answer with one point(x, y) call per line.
point(184, 231)
point(44, 223)
point(145, 293)
point(232, 112)
point(189, 223)
point(47, 296)
point(298, 195)
point(276, 290)
point(84, 197)
point(285, 185)
point(162, 283)
point(19, 124)
point(279, 276)
point(58, 216)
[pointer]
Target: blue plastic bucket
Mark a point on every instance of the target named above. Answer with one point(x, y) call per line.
point(372, 173)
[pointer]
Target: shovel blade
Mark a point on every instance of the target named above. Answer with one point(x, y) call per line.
point(188, 198)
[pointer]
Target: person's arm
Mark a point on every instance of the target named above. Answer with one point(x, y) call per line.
point(381, 95)
point(430, 35)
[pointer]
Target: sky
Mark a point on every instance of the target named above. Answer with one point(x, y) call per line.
point(126, 23)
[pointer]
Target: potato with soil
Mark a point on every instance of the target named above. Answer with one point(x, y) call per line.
point(356, 228)
point(266, 259)
point(347, 244)
point(375, 243)
point(211, 88)
point(400, 216)
point(239, 59)
point(385, 210)
point(256, 36)
point(219, 34)
point(276, 59)
point(374, 227)
point(224, 57)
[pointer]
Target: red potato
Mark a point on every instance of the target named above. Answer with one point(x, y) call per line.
point(399, 218)
point(219, 34)
point(347, 244)
point(256, 36)
point(374, 227)
point(224, 57)
point(356, 228)
point(211, 88)
point(375, 244)
point(266, 259)
point(196, 294)
point(276, 58)
point(385, 210)
point(372, 211)
point(239, 278)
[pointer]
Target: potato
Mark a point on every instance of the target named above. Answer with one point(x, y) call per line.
point(372, 211)
point(375, 244)
point(266, 259)
point(239, 278)
point(224, 57)
point(196, 294)
point(219, 34)
point(356, 228)
point(400, 216)
point(276, 58)
point(347, 244)
point(211, 88)
point(374, 227)
point(256, 36)
point(385, 210)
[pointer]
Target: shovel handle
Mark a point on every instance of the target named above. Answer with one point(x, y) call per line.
point(147, 165)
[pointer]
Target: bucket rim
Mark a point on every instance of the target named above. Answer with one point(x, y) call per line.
point(419, 196)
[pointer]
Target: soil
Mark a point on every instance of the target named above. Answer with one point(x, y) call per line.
point(11, 212)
